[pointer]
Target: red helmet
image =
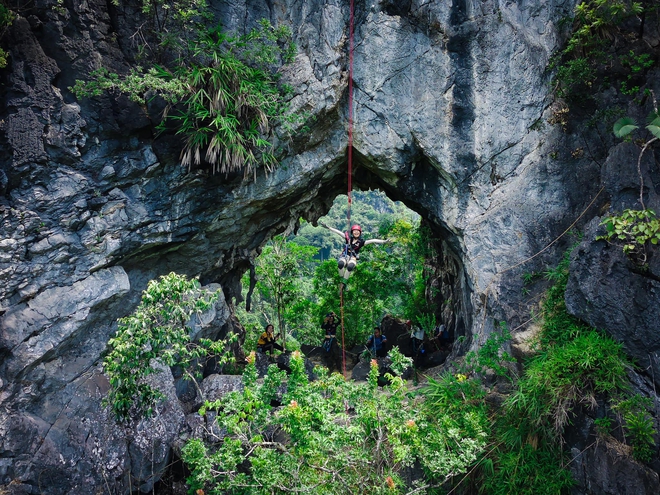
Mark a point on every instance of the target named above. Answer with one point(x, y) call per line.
point(356, 227)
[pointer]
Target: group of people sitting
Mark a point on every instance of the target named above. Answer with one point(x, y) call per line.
point(376, 343)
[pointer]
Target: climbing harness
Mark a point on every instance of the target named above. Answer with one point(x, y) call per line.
point(350, 172)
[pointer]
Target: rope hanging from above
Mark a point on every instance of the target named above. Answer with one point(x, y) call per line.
point(350, 167)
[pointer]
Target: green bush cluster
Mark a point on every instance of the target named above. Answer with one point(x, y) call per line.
point(636, 64)
point(155, 333)
point(334, 437)
point(490, 355)
point(6, 18)
point(594, 24)
point(633, 228)
point(639, 425)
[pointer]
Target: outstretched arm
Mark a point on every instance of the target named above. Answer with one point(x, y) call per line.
point(338, 232)
point(377, 241)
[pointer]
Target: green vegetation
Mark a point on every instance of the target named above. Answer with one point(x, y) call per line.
point(6, 18)
point(157, 333)
point(221, 90)
point(635, 229)
point(636, 64)
point(639, 424)
point(337, 437)
point(490, 355)
point(282, 270)
point(580, 63)
point(387, 280)
point(574, 364)
point(285, 433)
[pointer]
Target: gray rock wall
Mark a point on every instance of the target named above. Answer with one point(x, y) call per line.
point(448, 97)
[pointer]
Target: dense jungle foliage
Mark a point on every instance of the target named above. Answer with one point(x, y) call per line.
point(330, 435)
point(298, 281)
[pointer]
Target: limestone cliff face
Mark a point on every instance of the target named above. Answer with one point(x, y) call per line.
point(452, 104)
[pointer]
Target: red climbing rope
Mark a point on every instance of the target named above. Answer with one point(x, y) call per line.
point(350, 169)
point(341, 312)
point(350, 114)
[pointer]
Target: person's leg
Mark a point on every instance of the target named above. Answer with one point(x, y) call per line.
point(341, 265)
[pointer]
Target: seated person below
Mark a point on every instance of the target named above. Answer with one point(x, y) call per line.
point(266, 342)
point(376, 343)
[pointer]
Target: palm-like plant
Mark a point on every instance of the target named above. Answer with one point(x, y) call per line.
point(226, 115)
point(222, 92)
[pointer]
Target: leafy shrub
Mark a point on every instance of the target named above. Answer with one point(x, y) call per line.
point(637, 64)
point(639, 424)
point(594, 25)
point(6, 18)
point(334, 437)
point(490, 355)
point(157, 330)
point(634, 228)
point(400, 363)
point(603, 426)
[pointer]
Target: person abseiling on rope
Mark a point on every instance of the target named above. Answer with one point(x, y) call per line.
point(330, 327)
point(266, 342)
point(354, 242)
point(376, 343)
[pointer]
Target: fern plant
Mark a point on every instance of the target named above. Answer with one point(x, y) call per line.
point(639, 425)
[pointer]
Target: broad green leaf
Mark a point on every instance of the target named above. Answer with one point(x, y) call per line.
point(655, 120)
point(654, 129)
point(624, 126)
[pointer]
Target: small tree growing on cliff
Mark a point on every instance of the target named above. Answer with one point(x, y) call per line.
point(157, 331)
